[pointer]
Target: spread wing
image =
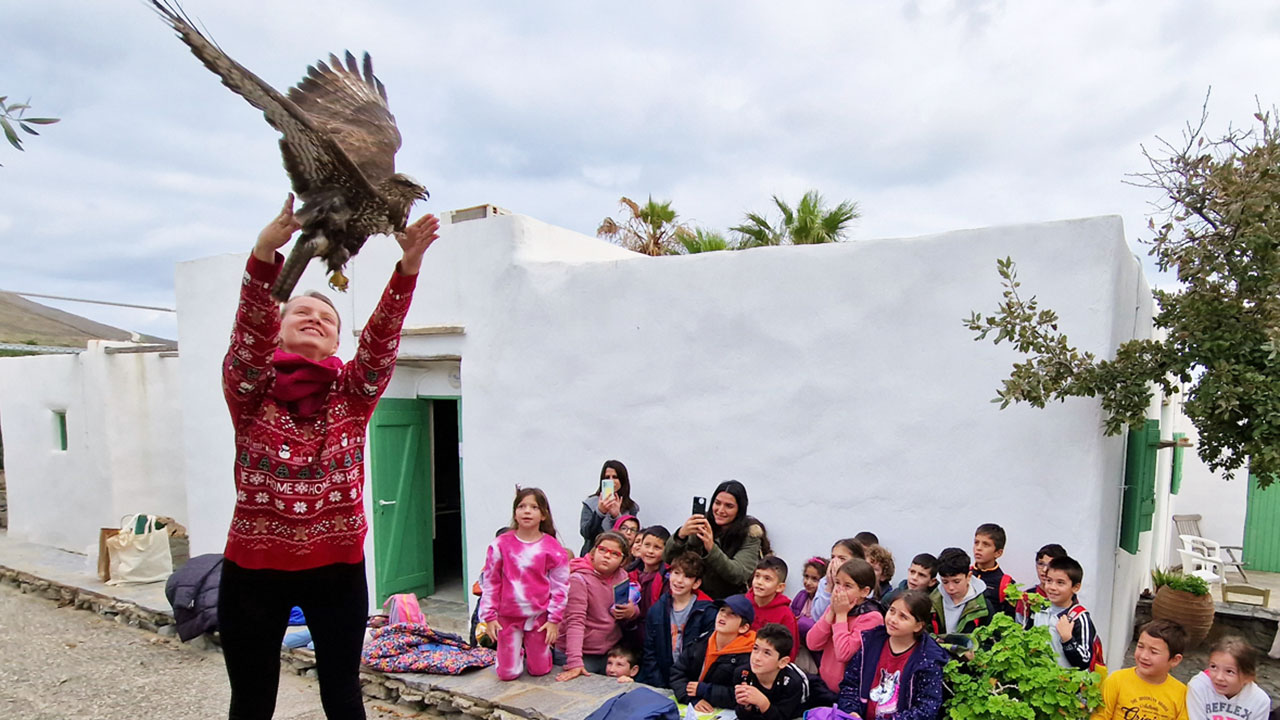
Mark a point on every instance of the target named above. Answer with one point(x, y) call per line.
point(311, 157)
point(350, 103)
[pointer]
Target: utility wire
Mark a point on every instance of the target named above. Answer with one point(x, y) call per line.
point(94, 302)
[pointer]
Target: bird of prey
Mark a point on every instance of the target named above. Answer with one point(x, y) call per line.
point(338, 141)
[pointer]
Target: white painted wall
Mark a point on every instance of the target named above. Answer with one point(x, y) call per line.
point(124, 452)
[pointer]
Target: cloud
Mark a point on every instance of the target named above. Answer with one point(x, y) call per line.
point(933, 115)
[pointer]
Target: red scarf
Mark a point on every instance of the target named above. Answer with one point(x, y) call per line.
point(303, 384)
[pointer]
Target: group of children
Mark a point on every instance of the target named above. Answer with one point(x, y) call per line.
point(848, 638)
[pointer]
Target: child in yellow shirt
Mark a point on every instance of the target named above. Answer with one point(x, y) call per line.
point(1146, 691)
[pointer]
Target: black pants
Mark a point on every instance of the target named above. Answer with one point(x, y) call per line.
point(253, 613)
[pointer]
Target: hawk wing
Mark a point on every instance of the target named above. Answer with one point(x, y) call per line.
point(351, 106)
point(313, 159)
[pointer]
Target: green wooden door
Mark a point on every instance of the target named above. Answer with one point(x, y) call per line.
point(1261, 541)
point(403, 506)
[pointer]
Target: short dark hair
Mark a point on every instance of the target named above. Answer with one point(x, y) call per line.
point(992, 531)
point(689, 563)
point(1173, 635)
point(774, 563)
point(625, 651)
point(1051, 551)
point(953, 561)
point(860, 572)
point(928, 562)
point(866, 537)
point(657, 531)
point(779, 637)
point(1068, 565)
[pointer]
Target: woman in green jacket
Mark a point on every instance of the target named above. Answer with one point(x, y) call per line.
point(729, 541)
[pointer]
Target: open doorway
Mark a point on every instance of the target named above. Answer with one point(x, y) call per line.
point(450, 583)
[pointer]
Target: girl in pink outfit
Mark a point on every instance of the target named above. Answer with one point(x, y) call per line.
point(525, 583)
point(591, 620)
point(838, 633)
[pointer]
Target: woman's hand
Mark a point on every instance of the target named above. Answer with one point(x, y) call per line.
point(415, 240)
point(571, 673)
point(277, 233)
point(492, 628)
point(552, 630)
point(703, 533)
point(690, 526)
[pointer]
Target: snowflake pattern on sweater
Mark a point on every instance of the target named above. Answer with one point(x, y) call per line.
point(300, 480)
point(524, 580)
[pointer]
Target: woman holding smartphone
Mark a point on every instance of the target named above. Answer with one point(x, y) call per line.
point(611, 499)
point(729, 540)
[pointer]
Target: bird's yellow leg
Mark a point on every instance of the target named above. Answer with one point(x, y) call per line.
point(338, 281)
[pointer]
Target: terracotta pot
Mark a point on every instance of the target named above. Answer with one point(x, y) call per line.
point(1193, 612)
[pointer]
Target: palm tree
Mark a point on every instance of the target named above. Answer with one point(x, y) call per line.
point(651, 228)
point(809, 223)
point(703, 240)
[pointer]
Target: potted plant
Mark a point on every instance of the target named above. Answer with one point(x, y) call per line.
point(1184, 599)
point(1014, 675)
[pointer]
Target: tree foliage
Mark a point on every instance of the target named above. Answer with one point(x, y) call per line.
point(14, 115)
point(650, 229)
point(810, 222)
point(1218, 228)
point(703, 240)
point(1014, 675)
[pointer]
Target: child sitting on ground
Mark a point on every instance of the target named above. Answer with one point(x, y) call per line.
point(845, 549)
point(623, 663)
point(988, 546)
point(922, 575)
point(592, 615)
point(802, 608)
point(1071, 631)
point(771, 606)
point(1226, 689)
point(898, 671)
point(647, 569)
point(1044, 556)
point(838, 633)
point(960, 604)
point(525, 581)
point(1147, 691)
point(881, 561)
point(682, 613)
point(773, 689)
point(711, 665)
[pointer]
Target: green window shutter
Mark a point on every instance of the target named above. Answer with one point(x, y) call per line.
point(1175, 480)
point(1138, 503)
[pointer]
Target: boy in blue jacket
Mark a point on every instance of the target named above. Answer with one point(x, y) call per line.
point(682, 612)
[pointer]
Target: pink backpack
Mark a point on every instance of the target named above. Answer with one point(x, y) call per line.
point(403, 608)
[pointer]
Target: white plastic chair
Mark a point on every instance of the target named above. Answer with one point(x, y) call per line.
point(1212, 550)
point(1190, 525)
point(1202, 566)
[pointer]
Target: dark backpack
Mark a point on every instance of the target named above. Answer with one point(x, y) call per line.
point(638, 704)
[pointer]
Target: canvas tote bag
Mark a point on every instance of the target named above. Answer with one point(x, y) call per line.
point(139, 556)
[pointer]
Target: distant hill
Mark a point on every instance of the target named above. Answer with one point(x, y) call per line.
point(23, 321)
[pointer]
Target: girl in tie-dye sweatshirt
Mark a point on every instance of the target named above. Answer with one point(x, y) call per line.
point(525, 584)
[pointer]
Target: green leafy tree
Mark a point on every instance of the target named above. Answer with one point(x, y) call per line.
point(1218, 228)
point(1014, 675)
point(703, 240)
point(809, 223)
point(650, 228)
point(14, 115)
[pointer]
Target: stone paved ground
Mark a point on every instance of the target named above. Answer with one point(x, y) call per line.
point(58, 663)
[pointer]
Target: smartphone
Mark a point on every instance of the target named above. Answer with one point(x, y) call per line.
point(606, 488)
point(699, 505)
point(622, 593)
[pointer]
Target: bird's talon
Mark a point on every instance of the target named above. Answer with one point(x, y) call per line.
point(338, 281)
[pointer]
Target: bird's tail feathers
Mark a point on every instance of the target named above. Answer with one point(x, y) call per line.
point(303, 250)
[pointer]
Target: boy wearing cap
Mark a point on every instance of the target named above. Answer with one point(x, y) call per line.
point(710, 666)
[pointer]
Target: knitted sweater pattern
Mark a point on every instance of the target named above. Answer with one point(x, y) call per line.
point(300, 480)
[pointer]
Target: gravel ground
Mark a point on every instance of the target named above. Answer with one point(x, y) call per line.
point(60, 663)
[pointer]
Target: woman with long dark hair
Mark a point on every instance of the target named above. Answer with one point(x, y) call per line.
point(601, 509)
point(730, 541)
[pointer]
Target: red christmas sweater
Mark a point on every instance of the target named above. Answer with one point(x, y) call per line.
point(299, 480)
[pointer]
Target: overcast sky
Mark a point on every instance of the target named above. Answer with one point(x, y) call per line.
point(933, 116)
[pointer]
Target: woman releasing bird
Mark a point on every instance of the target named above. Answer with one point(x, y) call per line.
point(338, 142)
